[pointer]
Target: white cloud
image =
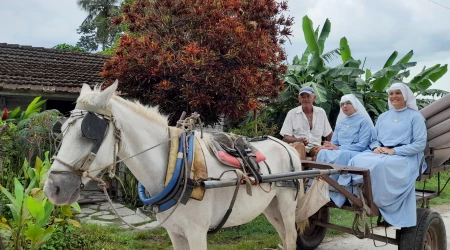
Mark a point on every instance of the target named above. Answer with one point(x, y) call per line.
point(40, 23)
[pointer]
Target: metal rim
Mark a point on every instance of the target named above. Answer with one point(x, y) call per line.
point(431, 239)
point(312, 229)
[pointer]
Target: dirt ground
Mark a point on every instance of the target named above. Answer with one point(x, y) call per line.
point(350, 242)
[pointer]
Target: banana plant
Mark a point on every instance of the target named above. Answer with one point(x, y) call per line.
point(330, 83)
point(311, 70)
point(375, 85)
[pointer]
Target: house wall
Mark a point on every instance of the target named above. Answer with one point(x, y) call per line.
point(11, 102)
point(62, 102)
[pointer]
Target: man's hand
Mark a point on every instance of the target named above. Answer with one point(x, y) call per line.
point(304, 140)
point(292, 139)
point(329, 145)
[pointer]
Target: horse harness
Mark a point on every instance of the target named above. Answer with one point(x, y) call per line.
point(95, 126)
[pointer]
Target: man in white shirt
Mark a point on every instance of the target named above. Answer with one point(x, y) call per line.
point(305, 125)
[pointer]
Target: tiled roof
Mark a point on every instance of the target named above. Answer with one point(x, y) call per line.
point(48, 70)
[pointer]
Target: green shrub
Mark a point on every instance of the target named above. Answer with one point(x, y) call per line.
point(252, 127)
point(32, 223)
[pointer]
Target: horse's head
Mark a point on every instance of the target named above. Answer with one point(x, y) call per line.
point(88, 146)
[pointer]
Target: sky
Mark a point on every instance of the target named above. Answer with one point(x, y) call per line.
point(374, 28)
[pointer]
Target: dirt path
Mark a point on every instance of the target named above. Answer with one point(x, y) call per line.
point(350, 242)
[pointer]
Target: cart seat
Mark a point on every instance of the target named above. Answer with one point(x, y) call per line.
point(437, 116)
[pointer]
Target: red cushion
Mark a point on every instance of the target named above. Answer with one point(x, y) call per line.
point(225, 157)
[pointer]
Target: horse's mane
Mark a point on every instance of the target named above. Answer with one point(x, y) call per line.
point(151, 113)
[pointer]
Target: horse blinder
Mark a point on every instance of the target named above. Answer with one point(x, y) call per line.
point(94, 128)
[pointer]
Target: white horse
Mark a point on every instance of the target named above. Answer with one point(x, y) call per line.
point(142, 127)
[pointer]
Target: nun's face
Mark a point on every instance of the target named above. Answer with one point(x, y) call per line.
point(396, 99)
point(347, 108)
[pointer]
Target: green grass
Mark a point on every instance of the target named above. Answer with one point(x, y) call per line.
point(257, 234)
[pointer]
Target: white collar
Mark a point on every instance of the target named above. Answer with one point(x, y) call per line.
point(398, 110)
point(300, 110)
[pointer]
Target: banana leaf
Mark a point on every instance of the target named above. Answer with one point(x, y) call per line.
point(330, 55)
point(310, 37)
point(324, 35)
point(393, 68)
point(346, 53)
point(434, 92)
point(406, 58)
point(391, 59)
point(319, 90)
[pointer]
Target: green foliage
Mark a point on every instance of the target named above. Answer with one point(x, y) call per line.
point(30, 212)
point(34, 134)
point(92, 236)
point(252, 127)
point(31, 224)
point(65, 46)
point(330, 83)
point(97, 28)
point(129, 188)
point(10, 156)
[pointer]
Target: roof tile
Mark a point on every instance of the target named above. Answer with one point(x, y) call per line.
point(48, 70)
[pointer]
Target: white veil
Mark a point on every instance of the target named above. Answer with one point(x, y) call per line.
point(357, 105)
point(407, 95)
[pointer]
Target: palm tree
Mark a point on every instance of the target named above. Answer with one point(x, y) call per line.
point(99, 13)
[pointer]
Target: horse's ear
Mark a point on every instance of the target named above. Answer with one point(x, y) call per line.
point(106, 94)
point(85, 89)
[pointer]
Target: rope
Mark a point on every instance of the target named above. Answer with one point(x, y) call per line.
point(360, 215)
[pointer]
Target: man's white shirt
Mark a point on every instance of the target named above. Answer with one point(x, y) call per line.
point(296, 124)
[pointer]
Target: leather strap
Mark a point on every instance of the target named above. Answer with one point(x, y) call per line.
point(94, 109)
point(240, 176)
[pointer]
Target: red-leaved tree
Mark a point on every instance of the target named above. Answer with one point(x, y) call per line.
point(210, 56)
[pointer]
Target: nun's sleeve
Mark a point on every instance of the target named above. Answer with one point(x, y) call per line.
point(418, 140)
point(334, 138)
point(374, 138)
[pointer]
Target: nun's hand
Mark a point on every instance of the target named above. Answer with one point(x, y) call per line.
point(388, 151)
point(329, 145)
point(378, 150)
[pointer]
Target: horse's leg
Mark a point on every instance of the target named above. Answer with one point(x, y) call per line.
point(196, 237)
point(273, 215)
point(287, 206)
point(179, 242)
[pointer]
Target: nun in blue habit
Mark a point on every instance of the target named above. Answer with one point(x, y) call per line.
point(397, 147)
point(351, 136)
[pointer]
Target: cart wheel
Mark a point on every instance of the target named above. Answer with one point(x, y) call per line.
point(314, 235)
point(428, 234)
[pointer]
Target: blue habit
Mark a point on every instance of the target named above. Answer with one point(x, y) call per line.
point(352, 135)
point(393, 176)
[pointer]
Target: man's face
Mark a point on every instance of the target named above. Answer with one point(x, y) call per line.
point(307, 99)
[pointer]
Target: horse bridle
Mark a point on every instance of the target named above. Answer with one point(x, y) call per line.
point(95, 126)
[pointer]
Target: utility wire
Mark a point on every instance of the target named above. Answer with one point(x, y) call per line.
point(439, 4)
